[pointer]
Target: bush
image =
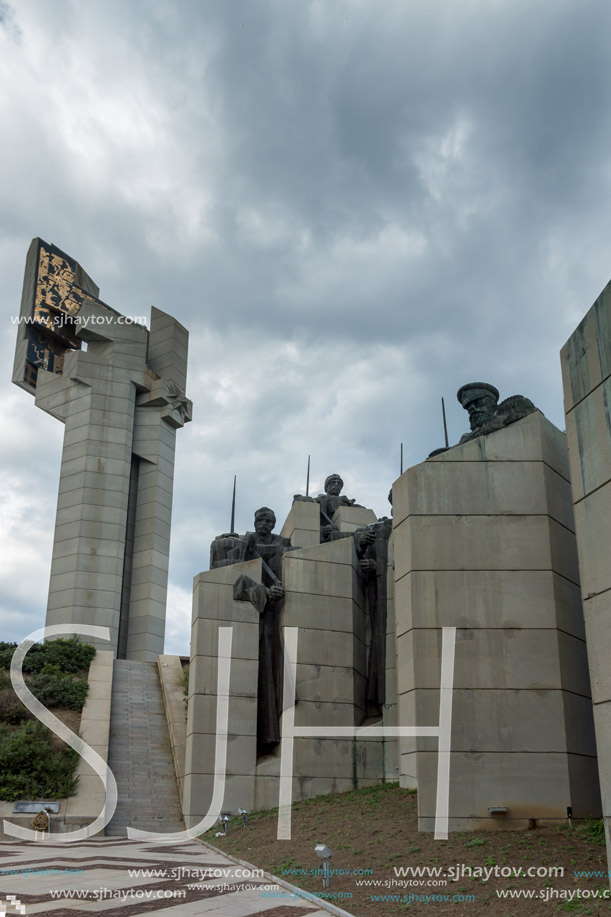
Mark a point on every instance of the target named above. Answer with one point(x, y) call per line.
point(58, 689)
point(70, 655)
point(6, 654)
point(31, 767)
point(11, 708)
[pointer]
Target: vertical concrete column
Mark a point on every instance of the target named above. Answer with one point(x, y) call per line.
point(484, 542)
point(351, 518)
point(391, 709)
point(214, 607)
point(160, 411)
point(302, 524)
point(95, 397)
point(586, 370)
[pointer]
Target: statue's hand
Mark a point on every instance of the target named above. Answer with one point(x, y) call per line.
point(327, 530)
point(367, 565)
point(275, 592)
point(367, 538)
point(227, 535)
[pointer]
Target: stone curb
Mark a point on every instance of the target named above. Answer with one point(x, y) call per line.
point(299, 892)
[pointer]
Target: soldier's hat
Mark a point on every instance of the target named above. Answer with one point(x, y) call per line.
point(472, 390)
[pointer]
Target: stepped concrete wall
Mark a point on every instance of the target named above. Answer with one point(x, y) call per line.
point(484, 541)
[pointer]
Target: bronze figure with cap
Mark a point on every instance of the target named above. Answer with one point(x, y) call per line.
point(486, 414)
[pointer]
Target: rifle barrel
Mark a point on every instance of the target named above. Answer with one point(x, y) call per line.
point(232, 529)
point(445, 426)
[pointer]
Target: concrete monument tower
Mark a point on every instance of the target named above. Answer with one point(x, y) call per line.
point(121, 398)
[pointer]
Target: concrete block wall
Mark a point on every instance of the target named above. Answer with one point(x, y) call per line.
point(586, 372)
point(324, 599)
point(484, 541)
point(214, 607)
point(302, 525)
point(351, 518)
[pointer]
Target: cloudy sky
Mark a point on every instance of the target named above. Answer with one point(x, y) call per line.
point(353, 206)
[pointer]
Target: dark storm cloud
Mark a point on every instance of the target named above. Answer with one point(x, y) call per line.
point(354, 207)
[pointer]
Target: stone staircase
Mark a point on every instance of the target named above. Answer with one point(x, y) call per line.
point(139, 753)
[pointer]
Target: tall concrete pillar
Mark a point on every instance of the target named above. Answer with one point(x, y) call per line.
point(121, 401)
point(484, 542)
point(214, 607)
point(586, 370)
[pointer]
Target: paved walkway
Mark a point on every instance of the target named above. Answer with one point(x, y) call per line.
point(187, 879)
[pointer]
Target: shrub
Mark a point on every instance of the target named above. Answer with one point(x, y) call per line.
point(70, 655)
point(31, 767)
point(11, 708)
point(58, 689)
point(6, 654)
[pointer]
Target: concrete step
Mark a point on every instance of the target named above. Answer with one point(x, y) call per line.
point(139, 753)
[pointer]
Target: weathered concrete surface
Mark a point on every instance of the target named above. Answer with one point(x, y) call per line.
point(171, 678)
point(350, 518)
point(484, 542)
point(302, 524)
point(88, 803)
point(324, 600)
point(586, 372)
point(213, 608)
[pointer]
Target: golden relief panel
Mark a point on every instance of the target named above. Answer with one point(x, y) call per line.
point(57, 299)
point(49, 328)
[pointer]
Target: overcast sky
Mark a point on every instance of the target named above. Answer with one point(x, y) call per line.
point(354, 206)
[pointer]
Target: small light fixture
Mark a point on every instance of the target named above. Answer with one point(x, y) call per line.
point(325, 854)
point(497, 810)
point(569, 815)
point(224, 820)
point(244, 814)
